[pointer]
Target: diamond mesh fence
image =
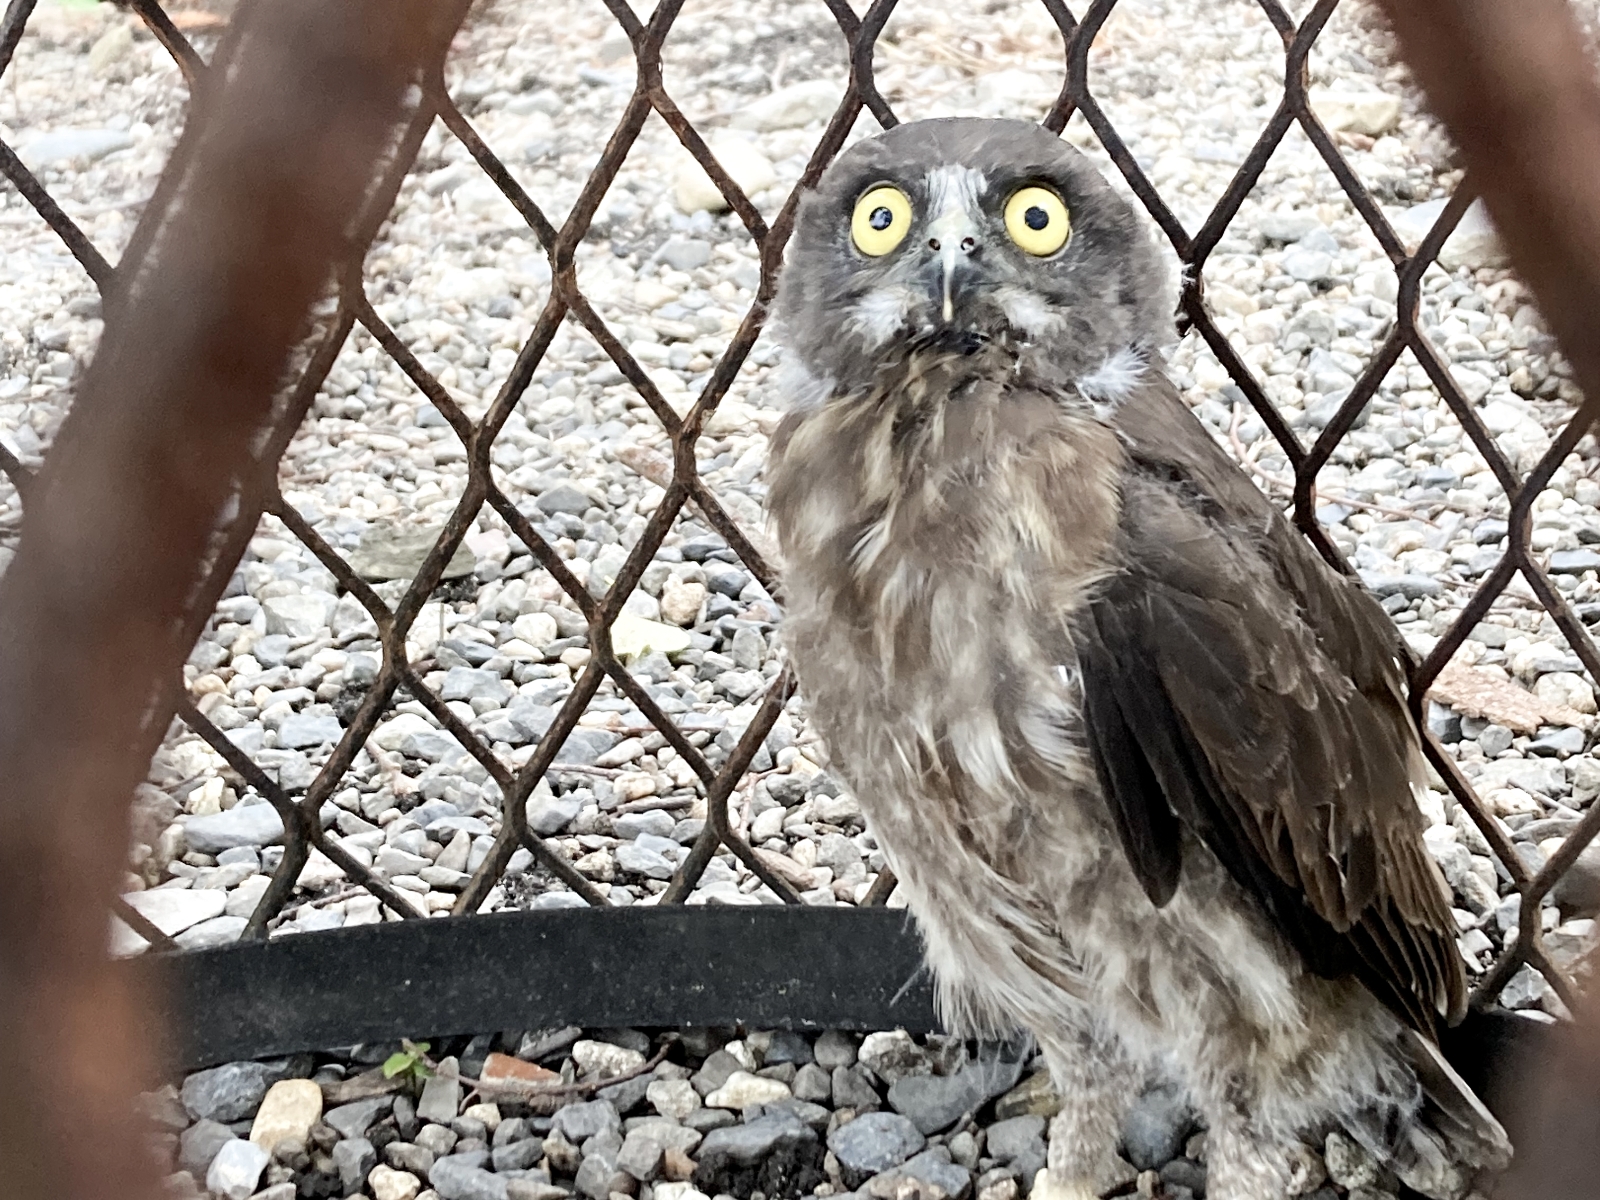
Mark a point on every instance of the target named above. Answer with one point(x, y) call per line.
point(453, 718)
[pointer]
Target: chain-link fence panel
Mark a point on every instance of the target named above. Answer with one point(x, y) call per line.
point(505, 633)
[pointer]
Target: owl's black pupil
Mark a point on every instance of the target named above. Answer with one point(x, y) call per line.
point(1036, 217)
point(881, 218)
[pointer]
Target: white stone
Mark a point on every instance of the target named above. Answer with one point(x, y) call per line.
point(675, 1098)
point(305, 615)
point(1473, 244)
point(1502, 416)
point(243, 899)
point(681, 601)
point(65, 145)
point(744, 163)
point(744, 1089)
point(1350, 111)
point(236, 1169)
point(391, 735)
point(110, 47)
point(797, 105)
point(471, 285)
point(1474, 384)
point(241, 825)
point(172, 910)
point(388, 1184)
point(536, 629)
point(633, 636)
point(218, 931)
point(603, 1060)
point(289, 1110)
point(1566, 688)
point(1003, 92)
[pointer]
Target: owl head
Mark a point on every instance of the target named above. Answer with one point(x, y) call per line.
point(958, 232)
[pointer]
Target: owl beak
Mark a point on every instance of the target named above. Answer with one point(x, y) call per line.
point(952, 236)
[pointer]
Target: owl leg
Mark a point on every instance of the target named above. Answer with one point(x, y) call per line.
point(1243, 1160)
point(1097, 1082)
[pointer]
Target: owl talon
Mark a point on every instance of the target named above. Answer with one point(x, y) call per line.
point(1047, 1185)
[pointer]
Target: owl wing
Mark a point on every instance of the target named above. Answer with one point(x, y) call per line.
point(1239, 688)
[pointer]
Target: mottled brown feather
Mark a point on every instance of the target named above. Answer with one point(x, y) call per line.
point(1266, 694)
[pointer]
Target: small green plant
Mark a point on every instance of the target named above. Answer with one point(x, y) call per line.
point(410, 1063)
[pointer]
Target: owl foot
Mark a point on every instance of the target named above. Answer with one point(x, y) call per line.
point(1047, 1185)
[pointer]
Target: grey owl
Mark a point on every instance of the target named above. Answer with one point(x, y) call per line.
point(1140, 758)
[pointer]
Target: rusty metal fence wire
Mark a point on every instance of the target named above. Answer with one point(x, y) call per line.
point(350, 306)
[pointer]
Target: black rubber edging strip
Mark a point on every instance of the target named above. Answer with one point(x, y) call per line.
point(765, 967)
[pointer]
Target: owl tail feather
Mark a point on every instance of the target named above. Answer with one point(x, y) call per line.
point(1494, 1052)
point(1454, 1136)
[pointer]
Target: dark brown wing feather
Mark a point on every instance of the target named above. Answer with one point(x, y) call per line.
point(1237, 685)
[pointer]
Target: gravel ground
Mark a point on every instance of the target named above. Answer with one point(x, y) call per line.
point(1298, 285)
point(694, 1114)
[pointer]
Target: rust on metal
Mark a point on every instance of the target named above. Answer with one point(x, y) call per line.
point(165, 436)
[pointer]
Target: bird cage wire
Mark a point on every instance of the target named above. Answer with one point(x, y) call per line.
point(685, 490)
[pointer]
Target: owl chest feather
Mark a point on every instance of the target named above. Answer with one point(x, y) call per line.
point(937, 549)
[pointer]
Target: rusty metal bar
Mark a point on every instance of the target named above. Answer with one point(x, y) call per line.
point(92, 609)
point(1517, 92)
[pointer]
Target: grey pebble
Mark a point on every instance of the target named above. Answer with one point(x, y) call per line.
point(872, 1143)
point(893, 1055)
point(598, 1175)
point(406, 1156)
point(1155, 1127)
point(583, 746)
point(307, 730)
point(935, 1102)
point(852, 1088)
point(517, 1156)
point(1574, 562)
point(511, 1129)
point(1308, 266)
point(579, 1122)
point(64, 145)
point(354, 1119)
point(1011, 1139)
point(564, 498)
point(199, 1144)
point(640, 1154)
point(241, 825)
point(684, 254)
point(354, 1159)
point(1557, 742)
point(236, 1169)
point(549, 815)
point(437, 1140)
point(704, 1120)
point(812, 1083)
point(1494, 740)
point(655, 822)
point(456, 1179)
point(230, 1092)
point(746, 1145)
point(833, 1047)
point(932, 1167)
point(441, 1099)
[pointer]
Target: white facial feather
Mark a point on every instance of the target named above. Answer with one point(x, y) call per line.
point(1027, 312)
point(955, 187)
point(878, 316)
point(1113, 381)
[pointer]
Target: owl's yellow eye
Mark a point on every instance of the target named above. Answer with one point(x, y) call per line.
point(880, 221)
point(1037, 220)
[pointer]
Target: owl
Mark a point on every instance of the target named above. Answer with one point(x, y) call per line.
point(1139, 757)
